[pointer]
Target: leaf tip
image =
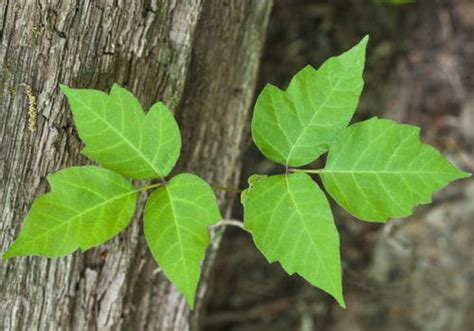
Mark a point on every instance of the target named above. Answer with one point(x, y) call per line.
point(10, 253)
point(159, 108)
point(189, 293)
point(341, 303)
point(190, 302)
point(463, 174)
point(64, 88)
point(458, 173)
point(339, 297)
point(365, 40)
point(361, 46)
point(117, 87)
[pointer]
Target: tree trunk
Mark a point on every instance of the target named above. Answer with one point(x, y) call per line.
point(199, 57)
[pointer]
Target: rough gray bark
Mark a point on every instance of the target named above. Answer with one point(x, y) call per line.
point(199, 57)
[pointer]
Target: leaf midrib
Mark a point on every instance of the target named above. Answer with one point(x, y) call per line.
point(318, 110)
point(311, 238)
point(67, 223)
point(394, 172)
point(180, 241)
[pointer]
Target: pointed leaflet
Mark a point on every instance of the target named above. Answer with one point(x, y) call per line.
point(121, 137)
point(176, 219)
point(295, 126)
point(86, 207)
point(291, 222)
point(379, 169)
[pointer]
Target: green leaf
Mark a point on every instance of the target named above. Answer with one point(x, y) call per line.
point(86, 207)
point(176, 220)
point(296, 126)
point(291, 222)
point(378, 169)
point(121, 137)
point(252, 180)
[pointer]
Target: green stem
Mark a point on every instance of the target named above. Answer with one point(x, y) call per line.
point(148, 187)
point(230, 222)
point(226, 189)
point(308, 171)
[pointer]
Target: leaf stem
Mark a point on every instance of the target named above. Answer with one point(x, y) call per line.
point(148, 187)
point(235, 223)
point(308, 171)
point(226, 189)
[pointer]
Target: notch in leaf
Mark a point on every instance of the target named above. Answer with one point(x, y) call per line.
point(294, 127)
point(120, 136)
point(86, 207)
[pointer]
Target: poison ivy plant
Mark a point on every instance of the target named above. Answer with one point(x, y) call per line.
point(376, 169)
point(89, 205)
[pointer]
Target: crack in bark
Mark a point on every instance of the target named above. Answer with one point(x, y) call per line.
point(4, 21)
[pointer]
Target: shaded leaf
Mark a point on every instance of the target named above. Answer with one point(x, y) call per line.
point(296, 126)
point(291, 222)
point(86, 207)
point(176, 220)
point(121, 137)
point(378, 169)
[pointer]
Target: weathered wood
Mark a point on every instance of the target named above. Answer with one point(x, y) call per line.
point(199, 57)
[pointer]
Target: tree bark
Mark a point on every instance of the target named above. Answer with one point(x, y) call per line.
point(199, 57)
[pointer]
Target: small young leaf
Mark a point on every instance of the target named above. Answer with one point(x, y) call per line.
point(176, 220)
point(295, 126)
point(291, 222)
point(378, 169)
point(121, 137)
point(86, 207)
